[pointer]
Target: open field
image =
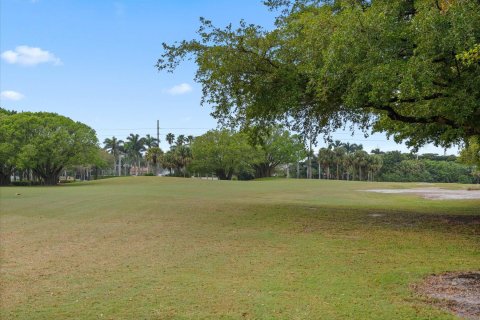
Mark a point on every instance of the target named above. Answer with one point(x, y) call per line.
point(166, 248)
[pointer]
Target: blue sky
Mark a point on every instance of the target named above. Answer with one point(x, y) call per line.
point(93, 61)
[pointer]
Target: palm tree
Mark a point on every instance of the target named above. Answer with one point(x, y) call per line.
point(335, 144)
point(170, 138)
point(183, 156)
point(189, 139)
point(361, 160)
point(339, 154)
point(114, 147)
point(134, 147)
point(352, 147)
point(376, 163)
point(154, 155)
point(349, 164)
point(180, 140)
point(325, 156)
point(150, 141)
point(168, 161)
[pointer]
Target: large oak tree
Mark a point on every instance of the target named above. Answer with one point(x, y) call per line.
point(408, 68)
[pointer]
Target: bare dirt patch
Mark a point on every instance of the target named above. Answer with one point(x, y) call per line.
point(434, 193)
point(458, 292)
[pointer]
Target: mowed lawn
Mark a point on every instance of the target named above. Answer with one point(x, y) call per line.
point(167, 248)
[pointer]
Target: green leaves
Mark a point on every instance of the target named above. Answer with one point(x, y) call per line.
point(470, 57)
point(407, 68)
point(224, 153)
point(46, 143)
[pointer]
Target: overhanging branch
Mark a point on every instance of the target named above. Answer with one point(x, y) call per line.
point(394, 115)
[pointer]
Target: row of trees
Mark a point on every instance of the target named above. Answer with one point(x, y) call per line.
point(42, 146)
point(220, 152)
point(255, 153)
point(349, 162)
point(357, 164)
point(139, 152)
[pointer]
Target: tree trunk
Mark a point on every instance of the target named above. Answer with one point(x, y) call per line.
point(263, 170)
point(222, 175)
point(319, 171)
point(51, 179)
point(309, 168)
point(5, 175)
point(5, 179)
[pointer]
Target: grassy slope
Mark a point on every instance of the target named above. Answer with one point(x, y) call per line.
point(165, 248)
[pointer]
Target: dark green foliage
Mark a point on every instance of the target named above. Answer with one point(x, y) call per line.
point(44, 143)
point(25, 183)
point(276, 146)
point(407, 68)
point(424, 170)
point(224, 153)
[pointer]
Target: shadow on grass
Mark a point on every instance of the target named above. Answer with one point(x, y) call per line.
point(321, 218)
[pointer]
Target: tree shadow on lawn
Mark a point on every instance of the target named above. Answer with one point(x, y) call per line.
point(458, 223)
point(456, 292)
point(461, 222)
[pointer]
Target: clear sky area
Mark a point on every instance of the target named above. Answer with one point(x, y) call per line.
point(93, 61)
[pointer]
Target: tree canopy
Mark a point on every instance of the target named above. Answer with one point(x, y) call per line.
point(407, 68)
point(45, 143)
point(224, 153)
point(276, 146)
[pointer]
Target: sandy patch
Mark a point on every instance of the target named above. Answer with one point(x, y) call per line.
point(434, 193)
point(458, 292)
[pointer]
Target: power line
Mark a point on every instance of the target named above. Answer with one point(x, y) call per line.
point(161, 128)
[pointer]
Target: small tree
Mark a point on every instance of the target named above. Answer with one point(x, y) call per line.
point(223, 152)
point(154, 156)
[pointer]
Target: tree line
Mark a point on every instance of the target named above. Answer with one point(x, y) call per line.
point(142, 153)
point(222, 153)
point(345, 161)
point(41, 147)
point(251, 154)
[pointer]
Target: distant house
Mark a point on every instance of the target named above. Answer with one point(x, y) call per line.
point(138, 171)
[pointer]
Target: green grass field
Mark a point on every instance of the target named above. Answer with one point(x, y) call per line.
point(166, 248)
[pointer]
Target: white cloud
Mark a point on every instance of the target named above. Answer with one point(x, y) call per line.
point(11, 95)
point(180, 89)
point(29, 56)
